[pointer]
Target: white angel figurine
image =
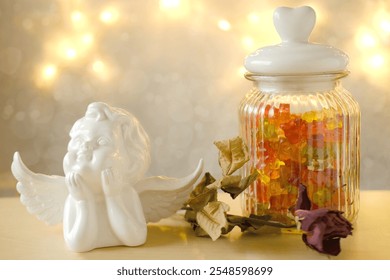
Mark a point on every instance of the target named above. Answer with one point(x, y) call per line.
point(103, 199)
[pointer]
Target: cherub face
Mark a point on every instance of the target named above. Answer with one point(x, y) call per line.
point(94, 147)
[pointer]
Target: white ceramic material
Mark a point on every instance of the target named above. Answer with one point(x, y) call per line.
point(295, 54)
point(103, 199)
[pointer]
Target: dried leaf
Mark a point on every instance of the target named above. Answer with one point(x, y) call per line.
point(233, 154)
point(212, 218)
point(228, 229)
point(255, 222)
point(197, 203)
point(200, 232)
point(190, 216)
point(239, 221)
point(244, 223)
point(226, 182)
point(236, 189)
point(207, 215)
point(266, 220)
point(200, 188)
point(202, 195)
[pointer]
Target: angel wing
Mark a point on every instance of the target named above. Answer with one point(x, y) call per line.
point(43, 195)
point(161, 196)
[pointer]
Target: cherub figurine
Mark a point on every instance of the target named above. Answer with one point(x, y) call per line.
point(103, 199)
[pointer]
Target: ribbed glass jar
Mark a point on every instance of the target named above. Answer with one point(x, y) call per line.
point(301, 129)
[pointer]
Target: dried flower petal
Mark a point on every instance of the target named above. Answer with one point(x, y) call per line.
point(237, 186)
point(231, 181)
point(202, 195)
point(324, 228)
point(303, 201)
point(212, 218)
point(233, 154)
point(200, 188)
point(245, 223)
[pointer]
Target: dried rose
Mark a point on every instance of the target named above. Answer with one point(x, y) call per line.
point(323, 229)
point(303, 201)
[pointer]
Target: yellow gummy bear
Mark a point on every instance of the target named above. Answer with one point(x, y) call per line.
point(332, 119)
point(312, 116)
point(268, 130)
point(265, 179)
point(333, 124)
point(321, 197)
point(276, 189)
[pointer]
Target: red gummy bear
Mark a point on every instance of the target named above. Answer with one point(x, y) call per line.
point(295, 130)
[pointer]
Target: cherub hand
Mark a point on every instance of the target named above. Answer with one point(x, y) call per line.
point(112, 185)
point(77, 187)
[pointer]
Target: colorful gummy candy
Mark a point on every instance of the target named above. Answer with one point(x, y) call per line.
point(293, 149)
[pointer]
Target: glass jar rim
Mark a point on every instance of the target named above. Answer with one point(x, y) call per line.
point(330, 75)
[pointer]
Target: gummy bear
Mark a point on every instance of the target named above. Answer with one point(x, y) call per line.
point(295, 130)
point(322, 197)
point(263, 178)
point(268, 130)
point(284, 113)
point(269, 111)
point(273, 168)
point(283, 148)
point(333, 121)
point(312, 116)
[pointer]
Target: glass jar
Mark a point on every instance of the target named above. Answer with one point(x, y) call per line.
point(301, 130)
point(300, 127)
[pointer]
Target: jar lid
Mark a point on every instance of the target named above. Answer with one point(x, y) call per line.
point(295, 54)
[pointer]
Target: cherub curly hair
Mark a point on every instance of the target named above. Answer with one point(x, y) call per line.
point(137, 143)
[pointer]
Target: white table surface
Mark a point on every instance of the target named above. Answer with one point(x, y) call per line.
point(22, 236)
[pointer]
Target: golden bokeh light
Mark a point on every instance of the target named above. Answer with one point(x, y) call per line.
point(224, 25)
point(76, 16)
point(175, 9)
point(169, 4)
point(257, 36)
point(377, 61)
point(385, 25)
point(381, 20)
point(70, 53)
point(100, 70)
point(109, 16)
point(254, 18)
point(365, 39)
point(78, 19)
point(46, 75)
point(241, 71)
point(98, 66)
point(321, 14)
point(78, 47)
point(87, 39)
point(248, 43)
point(49, 72)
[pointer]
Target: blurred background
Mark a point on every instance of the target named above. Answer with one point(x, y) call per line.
point(177, 65)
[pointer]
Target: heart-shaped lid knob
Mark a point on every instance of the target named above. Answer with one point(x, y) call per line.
point(294, 25)
point(295, 54)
